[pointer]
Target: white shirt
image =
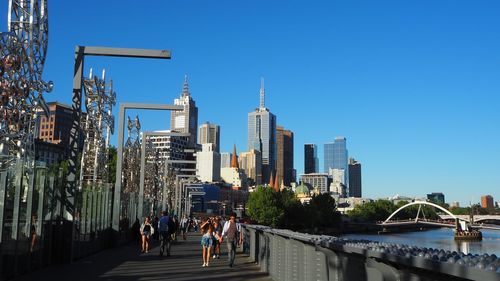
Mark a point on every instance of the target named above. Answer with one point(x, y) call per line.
point(226, 228)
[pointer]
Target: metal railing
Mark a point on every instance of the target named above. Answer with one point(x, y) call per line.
point(288, 255)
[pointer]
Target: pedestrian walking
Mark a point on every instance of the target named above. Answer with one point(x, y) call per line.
point(146, 231)
point(163, 227)
point(217, 238)
point(175, 225)
point(184, 227)
point(234, 237)
point(206, 241)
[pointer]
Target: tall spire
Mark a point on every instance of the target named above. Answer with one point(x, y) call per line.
point(276, 183)
point(271, 180)
point(234, 158)
point(185, 87)
point(262, 94)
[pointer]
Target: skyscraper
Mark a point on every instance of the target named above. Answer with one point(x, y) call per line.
point(338, 186)
point(185, 121)
point(208, 164)
point(354, 178)
point(209, 133)
point(328, 157)
point(340, 157)
point(284, 162)
point(225, 160)
point(262, 135)
point(310, 158)
point(251, 163)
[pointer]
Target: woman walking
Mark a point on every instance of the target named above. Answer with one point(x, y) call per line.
point(146, 231)
point(207, 241)
point(217, 237)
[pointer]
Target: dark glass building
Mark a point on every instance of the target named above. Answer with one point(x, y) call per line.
point(436, 197)
point(310, 158)
point(284, 161)
point(354, 178)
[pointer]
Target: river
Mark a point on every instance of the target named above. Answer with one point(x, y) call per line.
point(441, 238)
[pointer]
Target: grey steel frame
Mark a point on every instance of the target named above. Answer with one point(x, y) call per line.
point(179, 192)
point(121, 125)
point(80, 53)
point(143, 163)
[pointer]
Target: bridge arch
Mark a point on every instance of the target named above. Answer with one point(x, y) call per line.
point(421, 203)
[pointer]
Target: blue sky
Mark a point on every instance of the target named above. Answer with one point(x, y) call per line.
point(414, 86)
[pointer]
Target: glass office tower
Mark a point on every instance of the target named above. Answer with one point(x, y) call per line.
point(262, 135)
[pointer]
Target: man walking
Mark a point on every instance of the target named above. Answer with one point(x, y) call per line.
point(164, 233)
point(232, 231)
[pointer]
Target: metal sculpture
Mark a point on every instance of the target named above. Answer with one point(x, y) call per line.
point(98, 128)
point(22, 56)
point(132, 155)
point(153, 176)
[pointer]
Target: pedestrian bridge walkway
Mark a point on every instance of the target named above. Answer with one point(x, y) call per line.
point(128, 264)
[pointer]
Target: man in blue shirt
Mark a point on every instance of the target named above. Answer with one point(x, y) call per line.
point(164, 233)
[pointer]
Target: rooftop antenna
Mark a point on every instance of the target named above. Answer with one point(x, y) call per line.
point(262, 94)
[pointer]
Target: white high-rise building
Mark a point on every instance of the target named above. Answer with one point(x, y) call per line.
point(209, 133)
point(208, 164)
point(185, 121)
point(338, 185)
point(225, 160)
point(171, 148)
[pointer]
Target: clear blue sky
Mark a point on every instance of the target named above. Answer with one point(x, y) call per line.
point(413, 85)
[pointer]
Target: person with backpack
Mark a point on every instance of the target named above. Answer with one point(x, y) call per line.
point(234, 236)
point(164, 229)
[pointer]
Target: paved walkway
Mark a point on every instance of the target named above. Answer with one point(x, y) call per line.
point(127, 264)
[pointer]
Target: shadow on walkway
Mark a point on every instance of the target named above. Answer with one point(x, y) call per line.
point(128, 264)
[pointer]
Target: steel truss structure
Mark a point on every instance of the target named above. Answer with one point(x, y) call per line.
point(153, 179)
point(22, 56)
point(98, 127)
point(132, 156)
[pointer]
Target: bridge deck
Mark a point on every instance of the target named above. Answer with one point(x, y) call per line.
point(126, 263)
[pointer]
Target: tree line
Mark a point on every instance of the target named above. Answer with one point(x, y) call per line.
point(282, 209)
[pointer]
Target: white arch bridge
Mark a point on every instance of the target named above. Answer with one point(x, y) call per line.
point(449, 216)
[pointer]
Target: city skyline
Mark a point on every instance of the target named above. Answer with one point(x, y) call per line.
point(408, 89)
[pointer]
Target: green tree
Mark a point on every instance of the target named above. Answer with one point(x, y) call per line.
point(322, 211)
point(265, 207)
point(294, 216)
point(373, 211)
